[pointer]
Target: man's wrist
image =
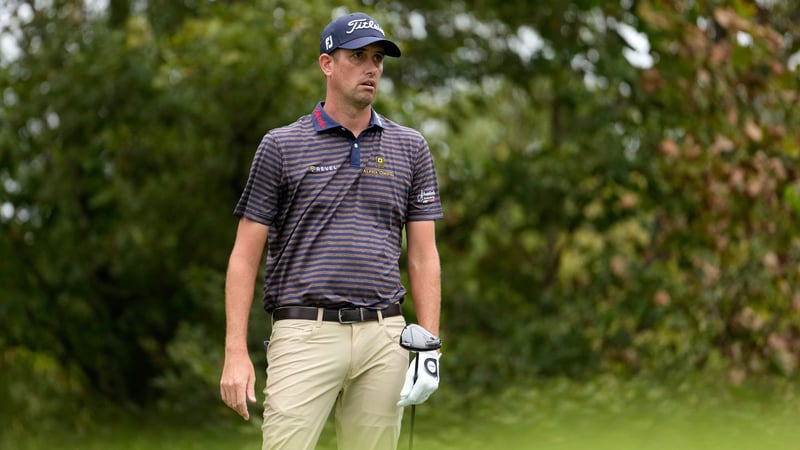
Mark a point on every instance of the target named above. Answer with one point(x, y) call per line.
point(237, 348)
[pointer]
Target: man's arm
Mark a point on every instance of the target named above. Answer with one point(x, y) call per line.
point(424, 273)
point(424, 276)
point(237, 384)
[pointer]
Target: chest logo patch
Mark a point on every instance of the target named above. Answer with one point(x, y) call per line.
point(379, 169)
point(321, 169)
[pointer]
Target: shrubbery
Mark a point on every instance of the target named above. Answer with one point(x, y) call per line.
point(600, 218)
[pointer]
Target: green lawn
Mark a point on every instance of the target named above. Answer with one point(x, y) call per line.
point(635, 416)
point(550, 416)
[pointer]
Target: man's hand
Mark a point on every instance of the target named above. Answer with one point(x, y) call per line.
point(414, 393)
point(237, 385)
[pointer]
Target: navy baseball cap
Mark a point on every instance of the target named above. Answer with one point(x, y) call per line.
point(354, 31)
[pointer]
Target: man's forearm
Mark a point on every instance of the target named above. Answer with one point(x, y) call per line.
point(240, 280)
point(239, 291)
point(425, 282)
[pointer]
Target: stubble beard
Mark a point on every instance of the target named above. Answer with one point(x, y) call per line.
point(363, 100)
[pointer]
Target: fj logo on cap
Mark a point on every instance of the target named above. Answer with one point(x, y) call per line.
point(328, 42)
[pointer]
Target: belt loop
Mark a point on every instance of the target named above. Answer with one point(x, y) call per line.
point(320, 314)
point(380, 317)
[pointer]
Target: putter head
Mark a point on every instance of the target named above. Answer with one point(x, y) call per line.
point(417, 339)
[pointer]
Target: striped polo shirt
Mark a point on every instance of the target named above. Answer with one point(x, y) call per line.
point(336, 206)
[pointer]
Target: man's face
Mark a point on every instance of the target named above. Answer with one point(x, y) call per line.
point(355, 74)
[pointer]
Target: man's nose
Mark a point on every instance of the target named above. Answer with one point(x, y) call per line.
point(374, 67)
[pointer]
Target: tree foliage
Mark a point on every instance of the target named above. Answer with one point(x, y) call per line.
point(620, 218)
point(600, 216)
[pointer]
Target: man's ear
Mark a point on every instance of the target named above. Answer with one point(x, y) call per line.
point(325, 63)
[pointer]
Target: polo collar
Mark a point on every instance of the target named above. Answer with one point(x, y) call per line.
point(324, 122)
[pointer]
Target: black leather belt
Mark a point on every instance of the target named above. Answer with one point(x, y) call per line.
point(341, 315)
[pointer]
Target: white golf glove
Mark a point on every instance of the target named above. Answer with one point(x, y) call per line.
point(414, 393)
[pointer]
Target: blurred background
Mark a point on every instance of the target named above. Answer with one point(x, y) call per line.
point(620, 248)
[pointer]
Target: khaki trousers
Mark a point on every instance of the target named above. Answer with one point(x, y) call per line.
point(313, 365)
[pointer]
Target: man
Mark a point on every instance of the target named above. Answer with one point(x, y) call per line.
point(329, 195)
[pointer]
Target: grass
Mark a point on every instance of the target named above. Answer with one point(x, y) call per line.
point(634, 415)
point(553, 415)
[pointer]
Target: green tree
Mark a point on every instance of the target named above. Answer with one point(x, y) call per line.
point(587, 212)
point(123, 153)
point(600, 216)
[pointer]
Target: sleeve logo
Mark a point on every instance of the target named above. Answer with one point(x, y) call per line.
point(426, 196)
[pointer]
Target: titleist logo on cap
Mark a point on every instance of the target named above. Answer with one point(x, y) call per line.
point(361, 24)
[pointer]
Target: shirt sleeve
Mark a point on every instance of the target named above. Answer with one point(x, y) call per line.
point(424, 202)
point(260, 197)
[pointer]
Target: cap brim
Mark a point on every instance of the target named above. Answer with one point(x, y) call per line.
point(389, 47)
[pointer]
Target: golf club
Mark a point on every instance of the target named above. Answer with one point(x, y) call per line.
point(415, 338)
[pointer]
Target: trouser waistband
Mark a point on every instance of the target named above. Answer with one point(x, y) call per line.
point(341, 315)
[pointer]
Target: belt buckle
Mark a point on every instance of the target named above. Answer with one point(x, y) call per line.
point(360, 315)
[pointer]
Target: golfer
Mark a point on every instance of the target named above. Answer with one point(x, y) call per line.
point(329, 197)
